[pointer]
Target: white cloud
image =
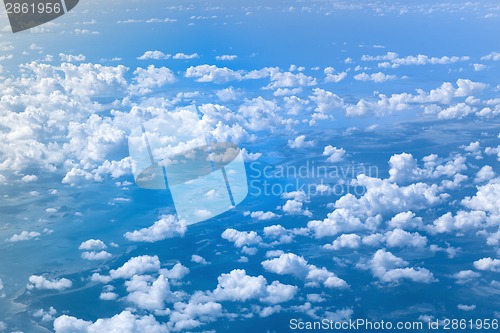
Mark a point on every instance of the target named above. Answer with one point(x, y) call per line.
point(291, 264)
point(156, 55)
point(349, 241)
point(152, 77)
point(183, 56)
point(261, 215)
point(136, 266)
point(466, 276)
point(495, 56)
point(125, 322)
point(393, 60)
point(485, 174)
point(93, 255)
point(464, 307)
point(177, 272)
point(71, 58)
point(401, 238)
point(24, 236)
point(300, 142)
point(226, 57)
point(294, 207)
point(199, 259)
point(334, 154)
point(29, 178)
point(168, 226)
point(241, 238)
point(238, 286)
point(486, 198)
point(40, 282)
point(332, 77)
point(375, 77)
point(488, 264)
point(108, 296)
point(391, 269)
point(92, 244)
point(406, 220)
point(148, 294)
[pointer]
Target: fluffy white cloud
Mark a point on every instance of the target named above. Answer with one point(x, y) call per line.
point(291, 264)
point(168, 226)
point(177, 272)
point(495, 56)
point(488, 264)
point(238, 286)
point(136, 266)
point(466, 276)
point(484, 174)
point(391, 269)
point(24, 236)
point(199, 259)
point(71, 57)
point(152, 77)
point(486, 198)
point(300, 142)
point(156, 55)
point(350, 241)
point(406, 220)
point(183, 56)
point(241, 238)
point(147, 293)
point(92, 244)
point(94, 255)
point(125, 322)
point(261, 215)
point(334, 154)
point(401, 238)
point(375, 77)
point(42, 283)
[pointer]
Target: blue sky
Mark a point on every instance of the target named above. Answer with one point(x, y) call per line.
point(371, 142)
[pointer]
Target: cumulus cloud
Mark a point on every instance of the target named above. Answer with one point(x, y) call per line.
point(42, 283)
point(261, 215)
point(24, 236)
point(238, 286)
point(334, 154)
point(349, 241)
point(199, 259)
point(93, 255)
point(241, 238)
point(155, 55)
point(391, 269)
point(123, 322)
point(151, 77)
point(300, 142)
point(93, 244)
point(488, 264)
point(183, 56)
point(136, 266)
point(292, 264)
point(486, 198)
point(147, 293)
point(466, 276)
point(375, 77)
point(168, 226)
